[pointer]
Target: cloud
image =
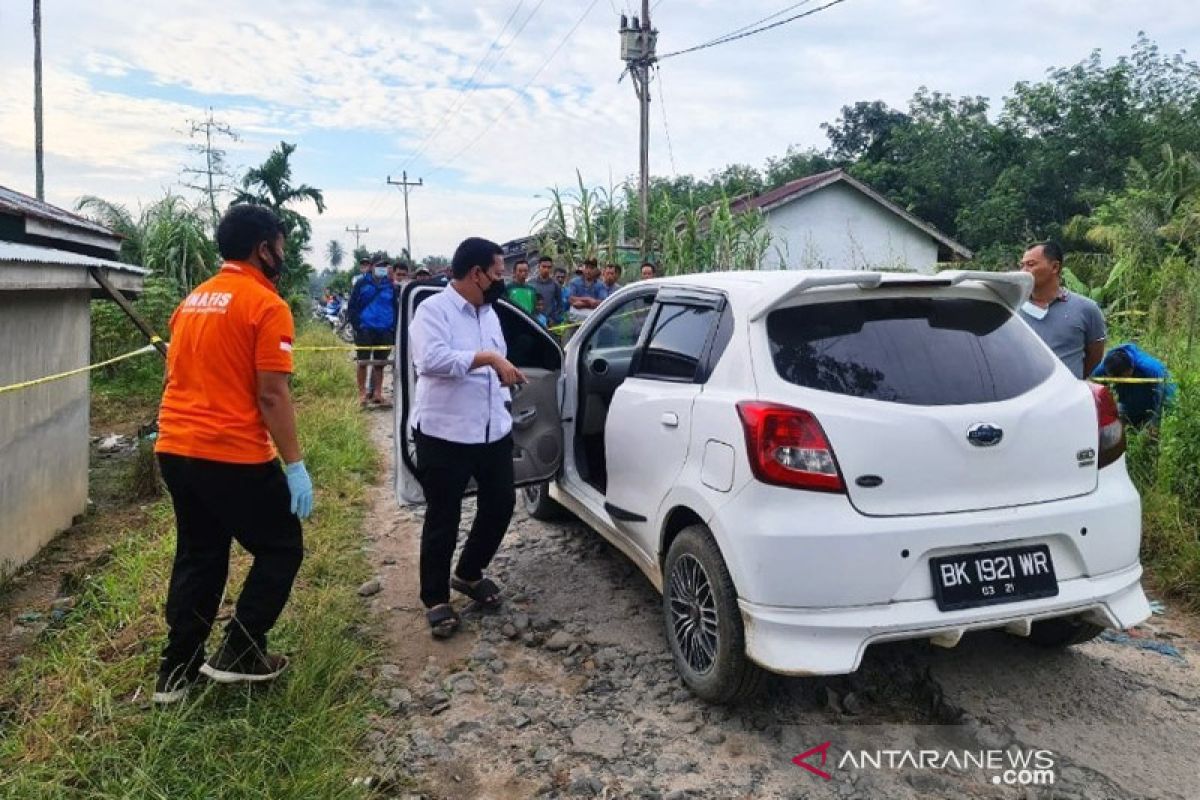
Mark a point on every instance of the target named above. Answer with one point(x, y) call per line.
point(122, 79)
point(440, 219)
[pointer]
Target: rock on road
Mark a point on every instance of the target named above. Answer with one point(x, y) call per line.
point(569, 691)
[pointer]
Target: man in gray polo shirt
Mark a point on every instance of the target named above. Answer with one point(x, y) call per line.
point(1071, 324)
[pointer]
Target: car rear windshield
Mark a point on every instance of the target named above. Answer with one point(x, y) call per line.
point(921, 351)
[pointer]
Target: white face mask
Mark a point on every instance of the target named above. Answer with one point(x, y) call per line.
point(1034, 310)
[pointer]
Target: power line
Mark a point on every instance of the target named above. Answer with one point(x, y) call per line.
point(734, 38)
point(475, 79)
point(662, 101)
point(358, 232)
point(562, 43)
point(756, 23)
point(404, 183)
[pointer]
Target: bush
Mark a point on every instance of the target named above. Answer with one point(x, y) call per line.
point(1141, 456)
point(113, 334)
point(1180, 445)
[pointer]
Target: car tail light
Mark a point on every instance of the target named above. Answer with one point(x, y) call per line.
point(1112, 431)
point(787, 447)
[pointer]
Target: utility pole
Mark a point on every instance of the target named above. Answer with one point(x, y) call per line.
point(357, 231)
point(638, 40)
point(404, 183)
point(214, 176)
point(38, 130)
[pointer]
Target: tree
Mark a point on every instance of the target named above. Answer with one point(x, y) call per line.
point(435, 264)
point(214, 176)
point(795, 164)
point(936, 161)
point(862, 131)
point(168, 237)
point(334, 253)
point(270, 185)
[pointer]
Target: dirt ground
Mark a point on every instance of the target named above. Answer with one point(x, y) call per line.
point(569, 691)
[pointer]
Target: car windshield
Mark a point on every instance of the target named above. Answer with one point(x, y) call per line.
point(920, 351)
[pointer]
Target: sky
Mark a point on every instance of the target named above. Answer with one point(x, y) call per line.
point(492, 102)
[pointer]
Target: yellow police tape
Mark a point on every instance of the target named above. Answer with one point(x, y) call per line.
point(350, 347)
point(70, 373)
point(150, 348)
point(323, 348)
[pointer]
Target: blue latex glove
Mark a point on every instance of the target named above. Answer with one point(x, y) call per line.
point(301, 487)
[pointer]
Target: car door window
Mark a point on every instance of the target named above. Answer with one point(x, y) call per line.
point(677, 342)
point(623, 326)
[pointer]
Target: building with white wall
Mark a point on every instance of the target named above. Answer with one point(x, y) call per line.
point(833, 221)
point(46, 289)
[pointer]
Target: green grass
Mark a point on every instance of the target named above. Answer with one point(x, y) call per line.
point(1171, 545)
point(1162, 464)
point(70, 725)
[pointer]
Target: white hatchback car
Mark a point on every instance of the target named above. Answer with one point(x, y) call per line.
point(806, 463)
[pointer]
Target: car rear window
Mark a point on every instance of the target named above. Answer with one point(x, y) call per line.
point(920, 351)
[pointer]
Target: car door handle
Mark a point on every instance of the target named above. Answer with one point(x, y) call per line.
point(525, 418)
point(670, 420)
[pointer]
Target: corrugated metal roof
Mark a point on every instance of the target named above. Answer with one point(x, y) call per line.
point(10, 252)
point(782, 192)
point(13, 202)
point(803, 186)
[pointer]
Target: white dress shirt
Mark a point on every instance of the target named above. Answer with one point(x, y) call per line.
point(453, 401)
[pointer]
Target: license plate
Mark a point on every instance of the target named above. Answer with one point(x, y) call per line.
point(993, 576)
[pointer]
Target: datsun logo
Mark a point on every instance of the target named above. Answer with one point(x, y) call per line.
point(984, 434)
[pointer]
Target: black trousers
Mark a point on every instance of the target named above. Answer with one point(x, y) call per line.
point(216, 503)
point(446, 468)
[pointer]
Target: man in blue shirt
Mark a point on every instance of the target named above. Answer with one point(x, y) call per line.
point(609, 283)
point(1140, 403)
point(373, 306)
point(585, 292)
point(549, 291)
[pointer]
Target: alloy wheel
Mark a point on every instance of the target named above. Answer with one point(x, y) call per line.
point(693, 614)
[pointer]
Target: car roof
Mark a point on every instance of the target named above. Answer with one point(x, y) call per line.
point(762, 290)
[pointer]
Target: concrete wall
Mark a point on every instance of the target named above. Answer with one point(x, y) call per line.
point(44, 429)
point(839, 227)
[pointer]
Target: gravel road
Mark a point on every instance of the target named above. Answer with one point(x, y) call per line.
point(569, 691)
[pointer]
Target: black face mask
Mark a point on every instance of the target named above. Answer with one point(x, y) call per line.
point(493, 292)
point(274, 269)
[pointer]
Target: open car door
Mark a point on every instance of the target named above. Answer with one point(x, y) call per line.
point(537, 421)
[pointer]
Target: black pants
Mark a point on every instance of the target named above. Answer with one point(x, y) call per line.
point(446, 468)
point(216, 503)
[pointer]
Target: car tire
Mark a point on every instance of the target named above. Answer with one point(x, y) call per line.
point(1063, 632)
point(696, 585)
point(539, 505)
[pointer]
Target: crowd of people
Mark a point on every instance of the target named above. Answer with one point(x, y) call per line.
point(554, 301)
point(372, 309)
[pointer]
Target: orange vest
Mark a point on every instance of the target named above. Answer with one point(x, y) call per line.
point(231, 327)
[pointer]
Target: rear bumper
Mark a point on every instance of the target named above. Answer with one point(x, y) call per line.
point(793, 549)
point(831, 641)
